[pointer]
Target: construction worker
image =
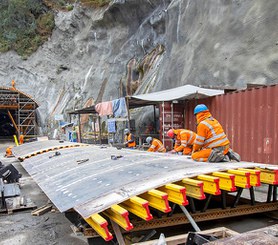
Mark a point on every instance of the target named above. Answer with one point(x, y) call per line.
point(13, 85)
point(211, 144)
point(184, 140)
point(21, 138)
point(129, 140)
point(156, 145)
point(9, 152)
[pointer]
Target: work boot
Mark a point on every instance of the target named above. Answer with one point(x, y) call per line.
point(216, 155)
point(233, 155)
point(226, 159)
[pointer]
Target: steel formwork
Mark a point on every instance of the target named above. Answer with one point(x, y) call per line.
point(103, 183)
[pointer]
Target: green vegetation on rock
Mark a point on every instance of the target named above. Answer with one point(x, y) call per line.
point(27, 24)
point(24, 26)
point(95, 3)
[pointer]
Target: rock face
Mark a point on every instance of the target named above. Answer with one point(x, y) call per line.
point(139, 46)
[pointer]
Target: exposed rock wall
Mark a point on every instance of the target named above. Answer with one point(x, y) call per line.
point(205, 42)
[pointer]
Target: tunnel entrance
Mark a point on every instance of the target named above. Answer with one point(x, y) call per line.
point(17, 114)
point(7, 129)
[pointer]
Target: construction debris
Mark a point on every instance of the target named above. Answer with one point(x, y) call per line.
point(18, 203)
point(82, 161)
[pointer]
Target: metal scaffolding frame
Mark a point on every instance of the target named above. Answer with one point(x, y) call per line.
point(24, 115)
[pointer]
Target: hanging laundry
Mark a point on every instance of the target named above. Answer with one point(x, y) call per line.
point(119, 107)
point(104, 108)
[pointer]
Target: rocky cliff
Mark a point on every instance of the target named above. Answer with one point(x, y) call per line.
point(139, 46)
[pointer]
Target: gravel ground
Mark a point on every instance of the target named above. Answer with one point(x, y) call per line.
point(21, 228)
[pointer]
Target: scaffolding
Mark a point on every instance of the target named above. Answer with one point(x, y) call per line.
point(21, 109)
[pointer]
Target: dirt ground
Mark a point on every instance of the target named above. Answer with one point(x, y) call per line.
point(21, 228)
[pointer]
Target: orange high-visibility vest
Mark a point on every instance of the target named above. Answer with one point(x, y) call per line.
point(184, 138)
point(210, 134)
point(128, 138)
point(157, 146)
point(21, 139)
point(9, 151)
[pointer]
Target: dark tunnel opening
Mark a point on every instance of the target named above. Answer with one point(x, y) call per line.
point(7, 129)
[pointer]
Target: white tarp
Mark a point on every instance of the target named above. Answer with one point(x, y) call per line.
point(179, 93)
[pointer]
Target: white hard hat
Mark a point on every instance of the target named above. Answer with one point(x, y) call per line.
point(149, 140)
point(126, 131)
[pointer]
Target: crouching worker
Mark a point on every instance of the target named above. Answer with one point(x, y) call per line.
point(211, 144)
point(184, 140)
point(9, 152)
point(129, 139)
point(156, 145)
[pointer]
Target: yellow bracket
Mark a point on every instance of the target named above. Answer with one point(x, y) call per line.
point(242, 178)
point(139, 207)
point(255, 179)
point(99, 224)
point(211, 184)
point(120, 216)
point(15, 140)
point(269, 176)
point(194, 188)
point(226, 181)
point(176, 193)
point(158, 200)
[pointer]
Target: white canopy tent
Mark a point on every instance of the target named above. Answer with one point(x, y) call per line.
point(179, 93)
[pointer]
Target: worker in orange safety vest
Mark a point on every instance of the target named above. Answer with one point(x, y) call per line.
point(184, 140)
point(156, 145)
point(211, 144)
point(9, 152)
point(129, 140)
point(21, 138)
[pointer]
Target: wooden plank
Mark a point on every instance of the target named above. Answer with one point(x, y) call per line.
point(42, 210)
point(220, 232)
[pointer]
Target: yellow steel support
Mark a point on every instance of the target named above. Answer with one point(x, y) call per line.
point(158, 200)
point(120, 216)
point(269, 176)
point(255, 179)
point(194, 188)
point(211, 184)
point(139, 207)
point(226, 181)
point(176, 193)
point(242, 178)
point(15, 140)
point(99, 224)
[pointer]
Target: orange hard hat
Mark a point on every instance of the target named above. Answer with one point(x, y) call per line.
point(170, 133)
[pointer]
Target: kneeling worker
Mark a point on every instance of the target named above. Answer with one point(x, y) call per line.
point(184, 140)
point(9, 152)
point(211, 144)
point(129, 140)
point(156, 145)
